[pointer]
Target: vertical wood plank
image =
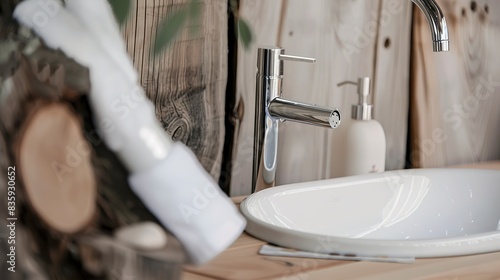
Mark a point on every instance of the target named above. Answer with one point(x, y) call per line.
point(392, 78)
point(264, 19)
point(329, 31)
point(187, 81)
point(348, 39)
point(455, 95)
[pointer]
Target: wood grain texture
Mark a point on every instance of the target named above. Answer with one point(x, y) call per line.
point(107, 256)
point(392, 78)
point(243, 262)
point(483, 266)
point(493, 165)
point(54, 164)
point(455, 95)
point(348, 39)
point(192, 276)
point(187, 81)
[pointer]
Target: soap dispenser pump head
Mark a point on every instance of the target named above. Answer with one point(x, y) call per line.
point(362, 110)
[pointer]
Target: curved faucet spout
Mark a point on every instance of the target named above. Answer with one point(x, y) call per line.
point(437, 23)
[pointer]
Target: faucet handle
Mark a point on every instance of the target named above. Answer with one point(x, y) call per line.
point(297, 58)
point(270, 61)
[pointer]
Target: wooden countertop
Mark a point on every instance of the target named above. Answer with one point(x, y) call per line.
point(242, 261)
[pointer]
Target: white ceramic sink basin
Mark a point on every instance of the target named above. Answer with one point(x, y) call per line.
point(409, 213)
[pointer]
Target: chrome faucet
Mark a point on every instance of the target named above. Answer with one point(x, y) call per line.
point(271, 108)
point(437, 24)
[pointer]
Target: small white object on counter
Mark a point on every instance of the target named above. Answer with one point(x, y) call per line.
point(143, 236)
point(275, 251)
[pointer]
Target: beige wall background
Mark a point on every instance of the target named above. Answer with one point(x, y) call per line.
point(456, 96)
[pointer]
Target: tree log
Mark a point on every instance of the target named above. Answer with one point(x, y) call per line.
point(40, 82)
point(55, 165)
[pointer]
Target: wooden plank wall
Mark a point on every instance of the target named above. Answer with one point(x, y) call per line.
point(456, 95)
point(187, 82)
point(350, 39)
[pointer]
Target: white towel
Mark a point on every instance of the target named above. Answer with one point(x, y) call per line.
point(190, 204)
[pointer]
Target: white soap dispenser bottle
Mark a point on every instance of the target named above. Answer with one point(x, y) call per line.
point(360, 147)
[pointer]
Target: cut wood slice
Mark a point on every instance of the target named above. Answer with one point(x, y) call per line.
point(55, 165)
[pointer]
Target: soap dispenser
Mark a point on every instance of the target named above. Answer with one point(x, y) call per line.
point(360, 146)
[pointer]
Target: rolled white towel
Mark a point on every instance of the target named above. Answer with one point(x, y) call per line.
point(187, 200)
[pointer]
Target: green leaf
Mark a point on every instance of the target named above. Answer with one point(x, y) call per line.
point(245, 33)
point(169, 29)
point(195, 14)
point(233, 6)
point(121, 9)
point(195, 9)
